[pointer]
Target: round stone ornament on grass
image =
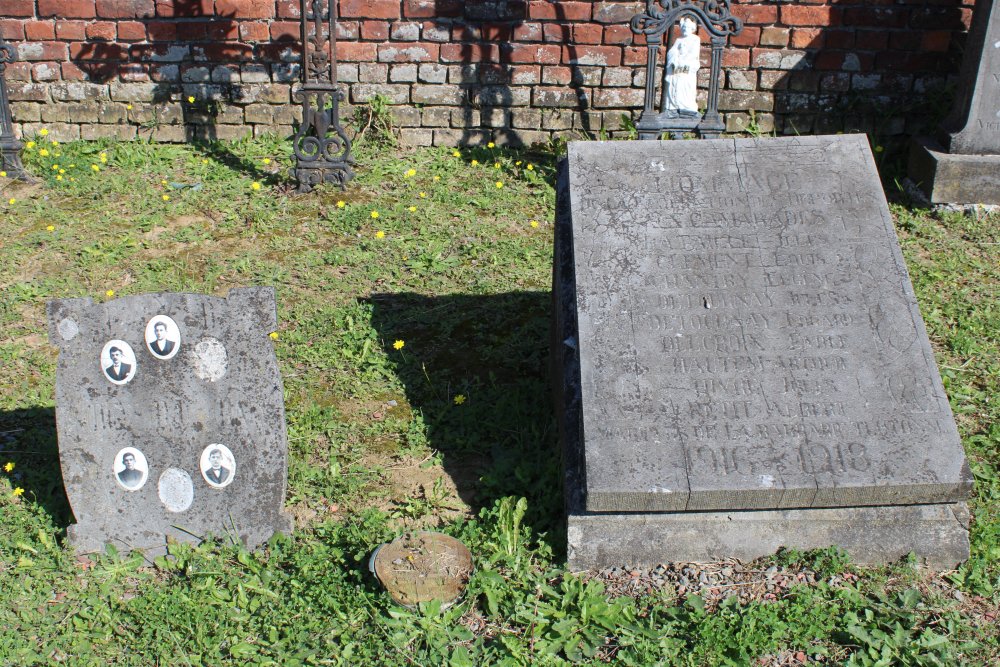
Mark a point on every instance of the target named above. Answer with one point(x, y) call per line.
point(422, 566)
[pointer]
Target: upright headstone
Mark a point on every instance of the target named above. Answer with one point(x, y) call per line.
point(738, 333)
point(963, 165)
point(170, 416)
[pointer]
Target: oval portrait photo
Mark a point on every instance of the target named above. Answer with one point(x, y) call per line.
point(163, 338)
point(130, 469)
point(118, 361)
point(218, 466)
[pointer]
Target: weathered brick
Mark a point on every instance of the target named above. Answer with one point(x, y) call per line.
point(619, 34)
point(432, 73)
point(436, 31)
point(46, 72)
point(503, 96)
point(360, 52)
point(808, 38)
point(19, 7)
point(12, 29)
point(557, 75)
point(126, 9)
point(615, 77)
point(774, 36)
point(739, 100)
point(259, 113)
point(57, 131)
point(559, 97)
point(464, 117)
point(254, 31)
point(375, 30)
point(525, 75)
point(78, 112)
point(370, 9)
point(26, 112)
point(563, 11)
point(65, 9)
point(405, 32)
point(405, 116)
point(41, 51)
point(461, 137)
point(244, 9)
point(756, 14)
point(396, 93)
point(372, 73)
point(618, 97)
point(102, 30)
point(131, 31)
point(120, 132)
point(605, 56)
point(463, 73)
point(740, 79)
point(526, 118)
point(432, 8)
point(438, 94)
point(37, 31)
point(406, 73)
point(545, 54)
point(409, 53)
point(435, 116)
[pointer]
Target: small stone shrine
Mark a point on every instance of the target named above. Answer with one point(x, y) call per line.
point(962, 165)
point(741, 362)
point(171, 420)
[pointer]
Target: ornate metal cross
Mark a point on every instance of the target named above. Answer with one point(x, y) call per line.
point(10, 147)
point(660, 16)
point(322, 149)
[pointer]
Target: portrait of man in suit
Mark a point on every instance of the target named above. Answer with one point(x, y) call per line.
point(160, 346)
point(216, 473)
point(130, 476)
point(118, 370)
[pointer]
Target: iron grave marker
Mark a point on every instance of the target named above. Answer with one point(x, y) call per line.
point(745, 333)
point(170, 416)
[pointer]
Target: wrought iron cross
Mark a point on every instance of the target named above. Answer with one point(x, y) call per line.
point(10, 147)
point(322, 149)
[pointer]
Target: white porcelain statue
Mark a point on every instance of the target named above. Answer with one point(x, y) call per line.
point(680, 76)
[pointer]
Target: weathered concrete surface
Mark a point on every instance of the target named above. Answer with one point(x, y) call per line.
point(954, 178)
point(937, 534)
point(215, 386)
point(746, 332)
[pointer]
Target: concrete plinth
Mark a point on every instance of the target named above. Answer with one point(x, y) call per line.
point(954, 178)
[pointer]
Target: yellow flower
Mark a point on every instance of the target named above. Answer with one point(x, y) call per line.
point(51, 228)
point(266, 160)
point(423, 195)
point(879, 149)
point(62, 171)
point(110, 293)
point(459, 399)
point(30, 145)
point(273, 335)
point(11, 201)
point(491, 145)
point(95, 167)
point(456, 154)
point(59, 177)
point(190, 99)
point(341, 204)
point(374, 214)
point(55, 143)
point(3, 174)
point(128, 106)
point(437, 178)
point(43, 132)
point(534, 224)
point(104, 157)
point(255, 185)
point(411, 172)
point(9, 466)
point(413, 209)
point(531, 167)
point(54, 167)
point(475, 163)
point(43, 152)
point(517, 164)
point(166, 197)
point(163, 182)
point(204, 160)
point(496, 165)
point(71, 166)
point(18, 492)
point(399, 344)
point(499, 184)
point(380, 234)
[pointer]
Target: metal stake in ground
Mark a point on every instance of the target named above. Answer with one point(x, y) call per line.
point(10, 147)
point(322, 149)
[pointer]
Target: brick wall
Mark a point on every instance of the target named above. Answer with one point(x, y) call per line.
point(463, 72)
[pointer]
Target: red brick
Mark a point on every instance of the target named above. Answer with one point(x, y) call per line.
point(586, 33)
point(547, 54)
point(915, 61)
point(254, 32)
point(226, 52)
point(46, 72)
point(636, 55)
point(100, 70)
point(131, 31)
point(463, 32)
point(756, 14)
point(356, 52)
point(102, 30)
point(36, 31)
point(244, 9)
point(496, 32)
point(811, 16)
point(471, 53)
point(49, 51)
point(874, 40)
point(619, 34)
point(98, 51)
point(749, 37)
point(126, 9)
point(936, 41)
point(557, 75)
point(736, 57)
point(562, 11)
point(66, 9)
point(932, 18)
point(19, 7)
point(370, 9)
point(12, 29)
point(425, 9)
point(561, 33)
point(285, 29)
point(70, 72)
point(604, 56)
point(614, 12)
point(836, 39)
point(19, 72)
point(807, 38)
point(186, 8)
point(408, 52)
point(905, 40)
point(71, 30)
point(161, 31)
point(289, 9)
point(525, 74)
point(881, 18)
point(528, 32)
point(133, 72)
point(224, 29)
point(377, 30)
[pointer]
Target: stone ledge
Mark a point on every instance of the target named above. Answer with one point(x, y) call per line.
point(954, 178)
point(937, 534)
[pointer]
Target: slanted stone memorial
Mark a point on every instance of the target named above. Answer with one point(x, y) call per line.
point(171, 420)
point(962, 165)
point(742, 362)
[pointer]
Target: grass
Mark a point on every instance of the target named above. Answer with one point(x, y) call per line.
point(451, 430)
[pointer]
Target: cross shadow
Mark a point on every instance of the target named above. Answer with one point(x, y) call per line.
point(28, 440)
point(494, 351)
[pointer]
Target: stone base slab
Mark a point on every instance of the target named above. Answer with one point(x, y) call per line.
point(937, 534)
point(953, 178)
